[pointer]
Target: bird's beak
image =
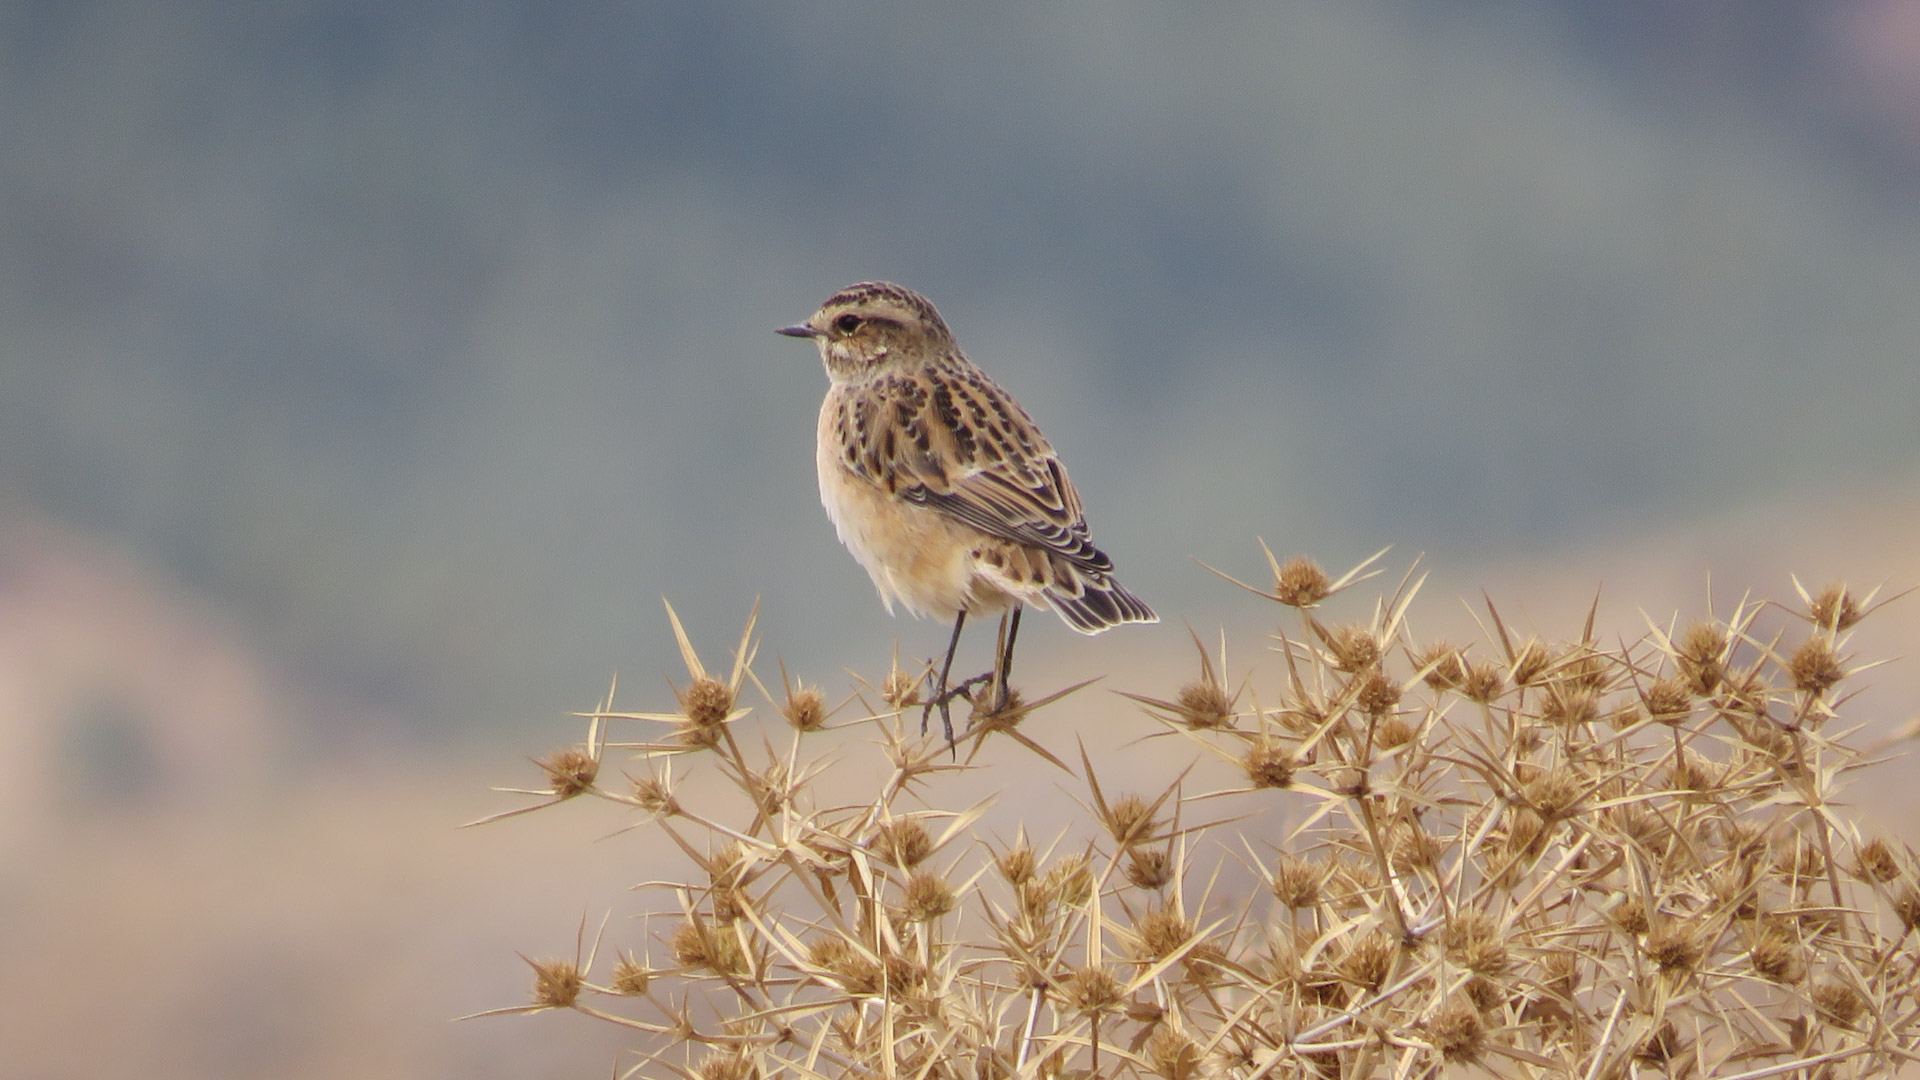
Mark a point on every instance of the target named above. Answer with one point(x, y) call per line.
point(803, 330)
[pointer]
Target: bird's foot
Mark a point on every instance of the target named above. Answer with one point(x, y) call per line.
point(942, 699)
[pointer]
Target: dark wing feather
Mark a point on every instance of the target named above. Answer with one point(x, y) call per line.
point(960, 445)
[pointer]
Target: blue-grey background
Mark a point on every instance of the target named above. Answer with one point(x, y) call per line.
point(423, 347)
point(433, 340)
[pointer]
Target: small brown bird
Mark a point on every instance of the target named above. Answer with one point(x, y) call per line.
point(943, 488)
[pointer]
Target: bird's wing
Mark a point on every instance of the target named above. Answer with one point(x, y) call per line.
point(957, 443)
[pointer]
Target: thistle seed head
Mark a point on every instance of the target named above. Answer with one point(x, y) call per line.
point(805, 709)
point(1378, 695)
point(1814, 667)
point(556, 984)
point(1835, 609)
point(1875, 862)
point(706, 703)
point(1173, 1056)
point(1129, 820)
point(927, 897)
point(1297, 882)
point(1457, 1031)
point(1484, 682)
point(1149, 868)
point(1530, 662)
point(1668, 702)
point(1775, 954)
point(1353, 648)
point(1446, 668)
point(1301, 583)
point(1268, 766)
point(1700, 654)
point(1092, 990)
point(904, 841)
point(1837, 1003)
point(1204, 704)
point(1674, 947)
point(631, 976)
point(654, 795)
point(570, 772)
point(1472, 939)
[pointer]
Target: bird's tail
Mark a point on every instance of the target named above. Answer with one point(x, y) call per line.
point(1098, 605)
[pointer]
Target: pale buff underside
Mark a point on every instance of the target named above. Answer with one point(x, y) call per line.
point(917, 556)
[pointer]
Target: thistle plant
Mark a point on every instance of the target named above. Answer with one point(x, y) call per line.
point(1377, 855)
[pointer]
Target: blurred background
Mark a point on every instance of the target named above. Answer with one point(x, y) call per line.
point(369, 372)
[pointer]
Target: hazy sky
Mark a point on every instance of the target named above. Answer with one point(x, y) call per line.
point(433, 341)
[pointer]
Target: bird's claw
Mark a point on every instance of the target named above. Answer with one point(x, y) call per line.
point(942, 699)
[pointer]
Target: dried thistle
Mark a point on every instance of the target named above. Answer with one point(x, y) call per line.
point(570, 772)
point(1297, 882)
point(1392, 733)
point(1354, 648)
point(1173, 1056)
point(1667, 702)
point(1204, 704)
point(654, 794)
point(927, 896)
point(1377, 695)
point(1268, 766)
point(902, 690)
point(1530, 663)
point(631, 976)
point(1814, 667)
point(727, 1065)
point(805, 710)
point(1875, 862)
point(904, 841)
point(1554, 794)
point(1016, 864)
point(1561, 860)
point(1301, 583)
point(1445, 666)
point(1162, 931)
point(1776, 955)
point(1457, 1031)
point(1149, 868)
point(1700, 654)
point(1129, 820)
point(1567, 705)
point(1799, 861)
point(1674, 947)
point(556, 983)
point(1837, 1003)
point(1092, 990)
point(1835, 608)
point(1629, 915)
point(1368, 960)
point(1070, 881)
point(1906, 908)
point(706, 703)
point(1472, 939)
point(698, 945)
point(1484, 682)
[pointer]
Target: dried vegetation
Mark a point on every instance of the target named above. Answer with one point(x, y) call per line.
point(1576, 858)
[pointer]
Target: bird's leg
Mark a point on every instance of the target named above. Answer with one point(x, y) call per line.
point(1003, 666)
point(941, 696)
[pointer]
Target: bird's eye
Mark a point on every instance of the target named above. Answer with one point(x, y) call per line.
point(847, 324)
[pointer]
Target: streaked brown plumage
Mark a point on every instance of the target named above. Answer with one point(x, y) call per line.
point(940, 484)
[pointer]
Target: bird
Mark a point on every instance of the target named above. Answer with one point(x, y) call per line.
point(944, 489)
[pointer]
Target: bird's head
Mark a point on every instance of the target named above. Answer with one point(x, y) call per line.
point(874, 328)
